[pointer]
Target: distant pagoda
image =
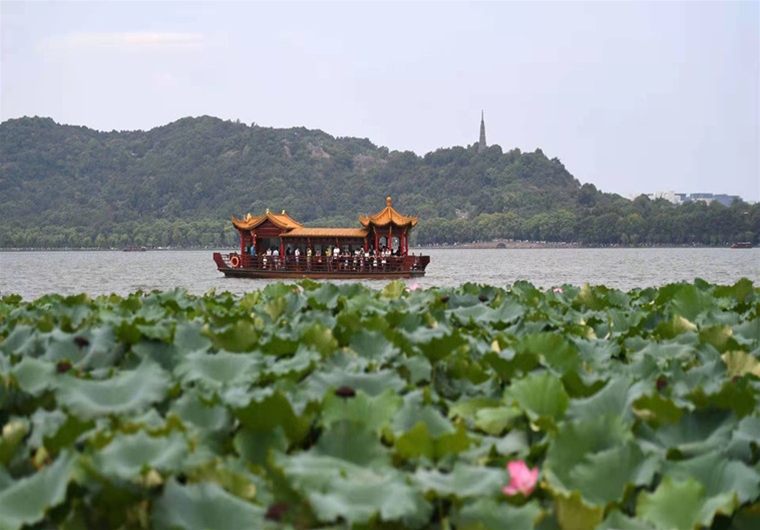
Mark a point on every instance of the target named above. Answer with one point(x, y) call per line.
point(482, 142)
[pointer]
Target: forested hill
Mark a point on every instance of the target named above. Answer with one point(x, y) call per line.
point(178, 185)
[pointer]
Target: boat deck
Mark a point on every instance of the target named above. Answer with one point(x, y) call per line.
point(344, 267)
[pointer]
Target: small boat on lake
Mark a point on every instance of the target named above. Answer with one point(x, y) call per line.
point(742, 244)
point(276, 246)
point(134, 249)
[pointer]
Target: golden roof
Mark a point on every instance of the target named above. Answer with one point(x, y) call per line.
point(281, 220)
point(388, 216)
point(327, 232)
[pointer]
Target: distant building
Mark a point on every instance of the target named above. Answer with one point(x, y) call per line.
point(482, 142)
point(680, 198)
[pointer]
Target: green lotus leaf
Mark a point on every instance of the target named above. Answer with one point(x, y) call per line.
point(257, 446)
point(336, 489)
point(188, 337)
point(463, 482)
point(202, 506)
point(417, 369)
point(740, 291)
point(241, 336)
point(161, 331)
point(218, 370)
point(553, 350)
point(354, 442)
point(495, 421)
point(657, 409)
point(435, 343)
point(415, 410)
point(264, 409)
point(509, 364)
point(371, 383)
point(61, 347)
point(128, 391)
point(575, 514)
point(418, 442)
point(373, 345)
point(585, 452)
point(487, 514)
point(696, 433)
point(482, 315)
point(737, 396)
point(45, 424)
point(103, 350)
point(324, 297)
point(718, 475)
point(375, 412)
point(394, 289)
point(35, 376)
point(467, 408)
point(541, 396)
point(295, 367)
point(128, 456)
point(320, 337)
point(691, 302)
point(513, 443)
point(682, 505)
point(23, 340)
point(748, 332)
point(615, 520)
point(233, 475)
point(25, 501)
point(745, 440)
point(615, 398)
point(165, 355)
point(55, 437)
point(719, 336)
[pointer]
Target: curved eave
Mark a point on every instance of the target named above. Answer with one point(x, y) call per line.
point(282, 220)
point(387, 218)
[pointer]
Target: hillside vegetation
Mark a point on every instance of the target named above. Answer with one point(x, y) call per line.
point(177, 185)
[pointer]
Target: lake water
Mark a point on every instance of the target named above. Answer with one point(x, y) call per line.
point(32, 274)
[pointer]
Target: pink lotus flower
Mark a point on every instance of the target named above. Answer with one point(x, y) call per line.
point(558, 290)
point(522, 479)
point(414, 287)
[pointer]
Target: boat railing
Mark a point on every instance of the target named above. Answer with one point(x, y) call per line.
point(325, 264)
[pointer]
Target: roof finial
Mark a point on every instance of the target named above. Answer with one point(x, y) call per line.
point(283, 212)
point(388, 200)
point(267, 210)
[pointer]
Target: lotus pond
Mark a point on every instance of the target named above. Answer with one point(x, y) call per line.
point(316, 406)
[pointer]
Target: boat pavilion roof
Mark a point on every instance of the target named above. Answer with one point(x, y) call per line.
point(327, 232)
point(388, 216)
point(281, 220)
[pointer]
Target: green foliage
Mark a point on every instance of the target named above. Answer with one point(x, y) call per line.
point(320, 406)
point(177, 185)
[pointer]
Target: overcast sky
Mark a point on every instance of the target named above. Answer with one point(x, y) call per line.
point(633, 97)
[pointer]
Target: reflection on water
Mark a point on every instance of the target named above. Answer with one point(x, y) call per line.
point(32, 274)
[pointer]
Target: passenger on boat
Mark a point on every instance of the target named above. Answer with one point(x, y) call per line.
point(276, 258)
point(308, 258)
point(328, 258)
point(297, 254)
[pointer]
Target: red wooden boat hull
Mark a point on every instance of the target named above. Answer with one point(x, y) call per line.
point(399, 267)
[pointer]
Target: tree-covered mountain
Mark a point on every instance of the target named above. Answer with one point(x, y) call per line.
point(178, 185)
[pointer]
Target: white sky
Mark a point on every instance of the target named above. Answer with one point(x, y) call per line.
point(633, 97)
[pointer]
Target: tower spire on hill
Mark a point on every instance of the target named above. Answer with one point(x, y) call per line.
point(482, 141)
